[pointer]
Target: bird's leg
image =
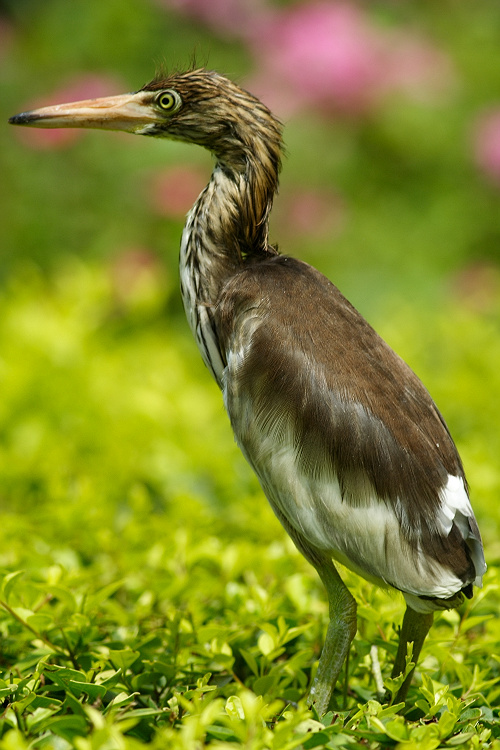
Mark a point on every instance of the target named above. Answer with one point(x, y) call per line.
point(414, 630)
point(341, 631)
point(342, 626)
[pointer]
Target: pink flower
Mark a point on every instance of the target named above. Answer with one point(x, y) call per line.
point(415, 67)
point(174, 190)
point(324, 52)
point(487, 145)
point(231, 17)
point(310, 212)
point(81, 87)
point(331, 55)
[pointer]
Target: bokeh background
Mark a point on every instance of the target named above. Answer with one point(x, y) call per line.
point(391, 187)
point(392, 113)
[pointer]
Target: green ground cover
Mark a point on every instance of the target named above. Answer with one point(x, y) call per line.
point(149, 595)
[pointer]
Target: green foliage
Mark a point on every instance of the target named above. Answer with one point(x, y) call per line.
point(149, 596)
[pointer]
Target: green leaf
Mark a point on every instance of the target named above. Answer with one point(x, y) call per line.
point(67, 727)
point(266, 684)
point(446, 723)
point(123, 658)
point(88, 688)
point(108, 678)
point(37, 721)
point(234, 708)
point(9, 583)
point(266, 644)
point(316, 739)
point(460, 739)
point(225, 734)
point(63, 675)
point(120, 700)
point(40, 622)
point(397, 729)
point(250, 660)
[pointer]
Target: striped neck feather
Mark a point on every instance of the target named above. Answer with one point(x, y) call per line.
point(226, 229)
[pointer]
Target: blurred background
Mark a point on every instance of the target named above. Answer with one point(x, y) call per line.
point(391, 187)
point(392, 112)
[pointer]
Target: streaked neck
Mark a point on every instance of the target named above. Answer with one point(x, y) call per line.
point(226, 229)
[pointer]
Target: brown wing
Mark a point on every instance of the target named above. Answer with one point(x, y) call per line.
point(311, 366)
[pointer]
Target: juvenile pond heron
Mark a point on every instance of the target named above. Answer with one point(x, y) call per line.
point(351, 451)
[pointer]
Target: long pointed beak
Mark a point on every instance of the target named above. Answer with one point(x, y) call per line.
point(129, 112)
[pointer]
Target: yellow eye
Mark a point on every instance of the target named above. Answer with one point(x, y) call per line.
point(169, 101)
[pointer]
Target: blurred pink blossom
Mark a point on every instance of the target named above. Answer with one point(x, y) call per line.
point(231, 17)
point(477, 286)
point(487, 144)
point(174, 190)
point(137, 277)
point(80, 87)
point(310, 212)
point(322, 52)
point(416, 67)
point(333, 56)
point(328, 54)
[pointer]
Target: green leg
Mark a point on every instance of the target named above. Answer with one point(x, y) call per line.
point(413, 630)
point(343, 623)
point(341, 631)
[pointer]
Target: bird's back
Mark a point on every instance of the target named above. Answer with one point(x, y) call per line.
point(345, 439)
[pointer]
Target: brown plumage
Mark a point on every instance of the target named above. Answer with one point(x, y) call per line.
point(349, 447)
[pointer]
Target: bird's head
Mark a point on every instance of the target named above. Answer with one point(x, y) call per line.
point(197, 106)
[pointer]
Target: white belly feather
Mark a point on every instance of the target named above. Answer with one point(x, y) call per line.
point(366, 538)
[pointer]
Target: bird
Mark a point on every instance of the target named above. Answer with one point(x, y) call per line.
point(349, 448)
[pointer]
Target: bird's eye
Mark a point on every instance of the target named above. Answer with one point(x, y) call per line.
point(169, 101)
